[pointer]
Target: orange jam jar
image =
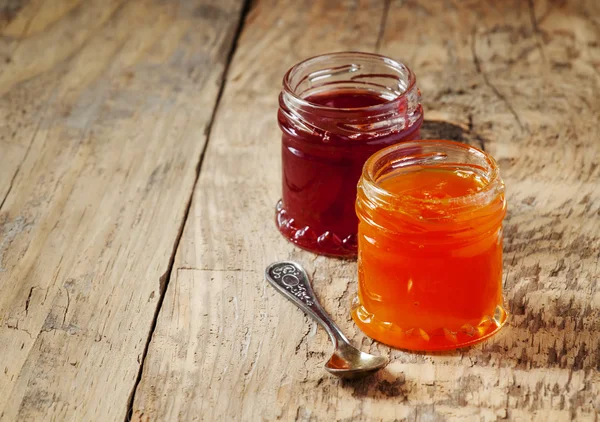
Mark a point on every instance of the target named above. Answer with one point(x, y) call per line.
point(430, 246)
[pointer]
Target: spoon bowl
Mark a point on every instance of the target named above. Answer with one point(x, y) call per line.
point(290, 279)
point(349, 362)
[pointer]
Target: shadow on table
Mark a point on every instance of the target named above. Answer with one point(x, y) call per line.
point(568, 340)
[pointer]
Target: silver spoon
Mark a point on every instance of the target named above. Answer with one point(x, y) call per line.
point(290, 279)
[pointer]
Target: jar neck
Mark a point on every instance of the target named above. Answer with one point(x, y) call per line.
point(392, 82)
point(478, 212)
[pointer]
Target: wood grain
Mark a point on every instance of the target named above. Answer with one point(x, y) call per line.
point(104, 107)
point(520, 79)
point(231, 354)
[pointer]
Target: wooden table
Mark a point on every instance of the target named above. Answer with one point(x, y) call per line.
point(140, 164)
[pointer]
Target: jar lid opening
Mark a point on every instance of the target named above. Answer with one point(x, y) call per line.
point(411, 156)
point(367, 72)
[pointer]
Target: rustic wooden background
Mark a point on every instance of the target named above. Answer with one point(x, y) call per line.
point(139, 168)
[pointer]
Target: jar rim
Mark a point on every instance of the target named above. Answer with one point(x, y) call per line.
point(369, 181)
point(288, 89)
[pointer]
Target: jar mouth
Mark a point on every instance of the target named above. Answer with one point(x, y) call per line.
point(421, 153)
point(348, 66)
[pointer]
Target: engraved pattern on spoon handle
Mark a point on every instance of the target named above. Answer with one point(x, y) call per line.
point(290, 279)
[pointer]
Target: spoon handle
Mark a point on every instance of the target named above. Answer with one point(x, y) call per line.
point(290, 279)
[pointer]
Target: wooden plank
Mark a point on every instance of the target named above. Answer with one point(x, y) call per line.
point(522, 80)
point(26, 32)
point(191, 365)
point(104, 108)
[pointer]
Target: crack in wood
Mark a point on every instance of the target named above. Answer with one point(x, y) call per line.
point(384, 16)
point(163, 284)
point(28, 300)
point(67, 307)
point(166, 277)
point(308, 329)
point(17, 328)
point(18, 169)
point(344, 294)
point(486, 79)
point(536, 29)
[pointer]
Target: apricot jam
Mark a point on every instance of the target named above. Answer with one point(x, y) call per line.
point(335, 111)
point(430, 246)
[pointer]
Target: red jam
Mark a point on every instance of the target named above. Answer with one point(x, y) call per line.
point(335, 111)
point(320, 176)
point(347, 99)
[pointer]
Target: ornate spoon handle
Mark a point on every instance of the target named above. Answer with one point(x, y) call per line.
point(290, 279)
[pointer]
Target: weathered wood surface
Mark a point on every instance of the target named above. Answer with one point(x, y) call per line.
point(520, 78)
point(104, 108)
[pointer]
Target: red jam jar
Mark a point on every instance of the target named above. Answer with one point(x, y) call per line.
point(335, 111)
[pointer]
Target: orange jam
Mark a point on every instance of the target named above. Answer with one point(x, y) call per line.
point(430, 246)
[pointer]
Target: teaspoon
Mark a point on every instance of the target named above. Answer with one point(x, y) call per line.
point(290, 279)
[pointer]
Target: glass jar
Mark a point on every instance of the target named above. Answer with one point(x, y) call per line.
point(430, 246)
point(335, 111)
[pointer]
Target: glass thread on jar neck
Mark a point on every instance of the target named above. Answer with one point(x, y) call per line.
point(394, 160)
point(358, 71)
point(472, 216)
